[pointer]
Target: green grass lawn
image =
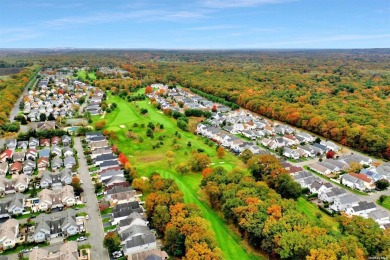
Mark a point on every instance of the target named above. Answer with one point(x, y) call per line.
point(385, 203)
point(148, 160)
point(311, 211)
point(83, 74)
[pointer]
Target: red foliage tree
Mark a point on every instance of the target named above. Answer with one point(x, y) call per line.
point(330, 154)
point(148, 90)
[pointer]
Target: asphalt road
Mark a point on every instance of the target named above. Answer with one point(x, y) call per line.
point(15, 110)
point(94, 225)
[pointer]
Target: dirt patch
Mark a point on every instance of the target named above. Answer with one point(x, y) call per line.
point(152, 158)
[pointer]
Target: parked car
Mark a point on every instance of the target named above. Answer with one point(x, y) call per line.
point(81, 239)
point(117, 254)
point(87, 217)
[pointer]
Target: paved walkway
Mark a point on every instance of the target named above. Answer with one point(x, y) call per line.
point(94, 225)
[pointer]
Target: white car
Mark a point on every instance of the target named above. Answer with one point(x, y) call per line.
point(81, 181)
point(81, 239)
point(117, 254)
point(87, 217)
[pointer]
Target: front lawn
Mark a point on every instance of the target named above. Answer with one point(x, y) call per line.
point(385, 203)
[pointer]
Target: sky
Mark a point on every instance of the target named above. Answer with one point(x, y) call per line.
point(195, 24)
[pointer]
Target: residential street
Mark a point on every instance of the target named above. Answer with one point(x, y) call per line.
point(94, 225)
point(15, 110)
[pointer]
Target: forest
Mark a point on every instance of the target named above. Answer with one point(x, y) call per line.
point(10, 90)
point(342, 95)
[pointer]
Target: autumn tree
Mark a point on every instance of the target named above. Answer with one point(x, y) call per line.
point(199, 161)
point(148, 90)
point(112, 242)
point(246, 155)
point(220, 152)
point(99, 125)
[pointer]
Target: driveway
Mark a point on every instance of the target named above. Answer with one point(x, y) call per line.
point(94, 225)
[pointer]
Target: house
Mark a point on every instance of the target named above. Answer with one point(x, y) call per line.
point(319, 187)
point(68, 151)
point(45, 153)
point(44, 142)
point(66, 140)
point(50, 199)
point(33, 142)
point(290, 153)
point(3, 168)
point(290, 140)
point(357, 181)
point(55, 140)
point(17, 184)
point(319, 169)
point(97, 145)
point(95, 139)
point(110, 174)
point(16, 168)
point(56, 180)
point(108, 164)
point(28, 167)
point(307, 150)
point(6, 156)
point(120, 195)
point(122, 211)
point(32, 154)
point(363, 160)
point(68, 251)
point(90, 135)
point(18, 156)
point(56, 150)
point(340, 164)
point(69, 162)
point(330, 146)
point(115, 181)
point(137, 239)
point(100, 151)
point(344, 202)
point(154, 254)
point(12, 205)
point(307, 138)
point(379, 216)
point(43, 163)
point(47, 125)
point(134, 218)
point(105, 158)
point(9, 231)
point(48, 226)
point(56, 163)
point(329, 196)
point(361, 209)
point(333, 168)
point(23, 145)
point(11, 144)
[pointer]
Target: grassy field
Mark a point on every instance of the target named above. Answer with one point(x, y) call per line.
point(385, 203)
point(312, 211)
point(83, 74)
point(148, 160)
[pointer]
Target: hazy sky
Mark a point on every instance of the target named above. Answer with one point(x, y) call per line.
point(195, 24)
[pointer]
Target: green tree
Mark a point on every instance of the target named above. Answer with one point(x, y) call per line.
point(112, 242)
point(382, 184)
point(246, 155)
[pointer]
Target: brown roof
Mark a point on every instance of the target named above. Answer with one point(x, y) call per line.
point(361, 177)
point(16, 166)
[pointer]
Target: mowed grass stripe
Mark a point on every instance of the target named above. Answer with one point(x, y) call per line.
point(228, 242)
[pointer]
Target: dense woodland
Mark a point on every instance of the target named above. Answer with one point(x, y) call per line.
point(342, 95)
point(10, 91)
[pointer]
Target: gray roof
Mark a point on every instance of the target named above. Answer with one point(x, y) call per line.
point(364, 205)
point(55, 222)
point(378, 214)
point(349, 198)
